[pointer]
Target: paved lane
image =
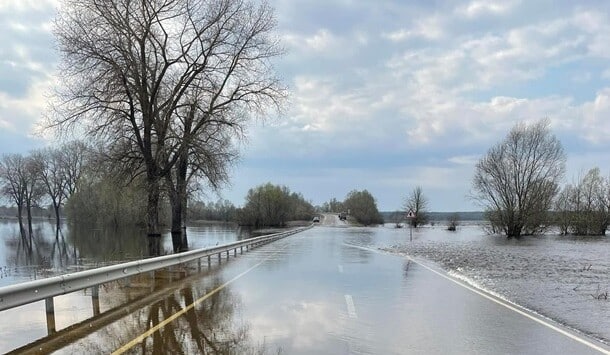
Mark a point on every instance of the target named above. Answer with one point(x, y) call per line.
point(318, 293)
point(334, 298)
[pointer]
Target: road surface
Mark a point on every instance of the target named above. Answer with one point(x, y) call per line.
point(317, 292)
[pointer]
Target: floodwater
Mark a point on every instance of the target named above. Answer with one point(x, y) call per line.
point(324, 291)
point(76, 248)
point(564, 278)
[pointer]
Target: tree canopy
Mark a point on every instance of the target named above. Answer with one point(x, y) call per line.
point(363, 207)
point(166, 83)
point(517, 180)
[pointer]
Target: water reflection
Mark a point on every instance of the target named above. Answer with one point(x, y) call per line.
point(76, 247)
point(208, 321)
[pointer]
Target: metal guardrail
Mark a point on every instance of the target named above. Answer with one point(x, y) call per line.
point(45, 289)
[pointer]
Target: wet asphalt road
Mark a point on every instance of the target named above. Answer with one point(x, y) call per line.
point(317, 292)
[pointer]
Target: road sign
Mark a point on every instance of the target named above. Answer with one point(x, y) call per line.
point(410, 214)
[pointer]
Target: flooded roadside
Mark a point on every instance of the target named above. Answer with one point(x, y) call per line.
point(77, 248)
point(564, 278)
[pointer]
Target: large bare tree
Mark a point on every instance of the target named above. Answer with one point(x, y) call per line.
point(517, 180)
point(131, 67)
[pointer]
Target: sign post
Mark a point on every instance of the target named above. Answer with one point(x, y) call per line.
point(410, 217)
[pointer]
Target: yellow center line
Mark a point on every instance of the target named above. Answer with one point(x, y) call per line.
point(165, 322)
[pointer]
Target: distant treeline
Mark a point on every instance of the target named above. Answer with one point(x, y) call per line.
point(400, 216)
point(37, 212)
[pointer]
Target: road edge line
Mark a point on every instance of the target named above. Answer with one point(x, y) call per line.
point(498, 301)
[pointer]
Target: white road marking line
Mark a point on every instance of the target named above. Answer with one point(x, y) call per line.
point(340, 268)
point(500, 302)
point(351, 309)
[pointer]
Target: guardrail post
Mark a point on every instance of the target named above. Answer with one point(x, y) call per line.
point(227, 255)
point(235, 252)
point(199, 264)
point(241, 249)
point(95, 299)
point(50, 307)
point(219, 257)
point(209, 260)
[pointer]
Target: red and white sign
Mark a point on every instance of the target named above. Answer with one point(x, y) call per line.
point(410, 214)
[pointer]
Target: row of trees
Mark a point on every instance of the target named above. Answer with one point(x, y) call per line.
point(44, 177)
point(518, 184)
point(167, 87)
point(583, 208)
point(360, 205)
point(221, 210)
point(271, 205)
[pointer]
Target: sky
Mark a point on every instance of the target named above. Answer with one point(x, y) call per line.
point(385, 95)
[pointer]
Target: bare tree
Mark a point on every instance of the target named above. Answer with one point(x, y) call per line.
point(584, 208)
point(518, 178)
point(204, 156)
point(453, 221)
point(131, 67)
point(52, 175)
point(33, 188)
point(20, 176)
point(418, 203)
point(12, 177)
point(74, 156)
point(564, 209)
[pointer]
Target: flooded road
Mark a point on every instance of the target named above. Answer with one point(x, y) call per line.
point(323, 291)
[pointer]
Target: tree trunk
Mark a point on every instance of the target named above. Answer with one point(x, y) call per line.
point(176, 221)
point(28, 209)
point(152, 216)
point(21, 226)
point(57, 218)
point(178, 198)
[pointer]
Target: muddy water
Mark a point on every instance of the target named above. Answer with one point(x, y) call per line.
point(559, 277)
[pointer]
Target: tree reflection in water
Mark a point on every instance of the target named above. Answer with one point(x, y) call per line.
point(206, 328)
point(210, 327)
point(40, 259)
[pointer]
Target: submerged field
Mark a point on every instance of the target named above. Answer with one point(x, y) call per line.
point(564, 278)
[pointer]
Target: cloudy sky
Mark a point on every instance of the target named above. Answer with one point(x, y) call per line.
point(385, 95)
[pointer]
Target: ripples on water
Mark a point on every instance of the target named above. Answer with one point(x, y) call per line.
point(558, 277)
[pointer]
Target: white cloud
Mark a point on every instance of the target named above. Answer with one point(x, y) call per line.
point(323, 41)
point(486, 7)
point(23, 115)
point(437, 78)
point(430, 28)
point(595, 124)
point(27, 5)
point(464, 159)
